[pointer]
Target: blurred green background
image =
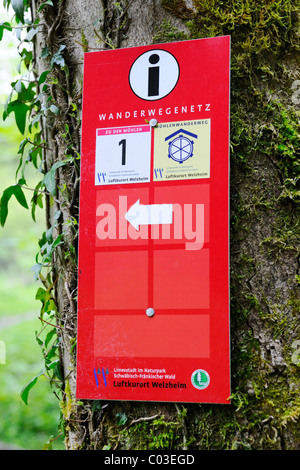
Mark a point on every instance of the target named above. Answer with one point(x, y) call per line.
point(21, 426)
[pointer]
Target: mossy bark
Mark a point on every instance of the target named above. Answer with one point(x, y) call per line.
point(265, 196)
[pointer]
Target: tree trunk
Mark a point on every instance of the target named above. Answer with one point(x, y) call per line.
point(265, 173)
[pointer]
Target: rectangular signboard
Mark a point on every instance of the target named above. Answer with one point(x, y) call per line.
point(153, 293)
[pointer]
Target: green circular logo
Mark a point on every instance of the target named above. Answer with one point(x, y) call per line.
point(200, 379)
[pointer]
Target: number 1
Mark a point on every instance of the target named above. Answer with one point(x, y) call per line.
point(123, 143)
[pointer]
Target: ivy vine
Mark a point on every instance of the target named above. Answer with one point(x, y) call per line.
point(31, 102)
point(35, 100)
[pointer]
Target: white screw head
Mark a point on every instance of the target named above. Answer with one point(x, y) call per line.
point(153, 122)
point(150, 312)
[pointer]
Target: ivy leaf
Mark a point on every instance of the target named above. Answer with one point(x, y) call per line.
point(48, 2)
point(49, 178)
point(51, 353)
point(43, 76)
point(18, 86)
point(121, 418)
point(48, 338)
point(42, 294)
point(26, 58)
point(20, 109)
point(58, 370)
point(54, 109)
point(48, 444)
point(16, 191)
point(3, 26)
point(19, 8)
point(27, 94)
point(45, 52)
point(25, 390)
point(30, 35)
point(37, 200)
point(58, 58)
point(21, 152)
point(36, 269)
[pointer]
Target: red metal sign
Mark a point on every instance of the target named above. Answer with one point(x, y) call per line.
point(153, 298)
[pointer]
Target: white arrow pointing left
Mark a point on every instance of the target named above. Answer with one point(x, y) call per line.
point(152, 214)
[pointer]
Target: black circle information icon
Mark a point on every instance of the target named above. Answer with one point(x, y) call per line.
point(154, 74)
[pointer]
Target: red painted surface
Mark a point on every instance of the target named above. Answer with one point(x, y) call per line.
point(181, 270)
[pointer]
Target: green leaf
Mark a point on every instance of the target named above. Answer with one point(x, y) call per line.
point(33, 154)
point(48, 444)
point(51, 353)
point(43, 76)
point(26, 58)
point(27, 94)
point(48, 2)
point(49, 178)
point(19, 195)
point(121, 418)
point(21, 152)
point(58, 370)
point(20, 109)
point(42, 294)
point(54, 109)
point(31, 33)
point(3, 26)
point(37, 200)
point(22, 145)
point(58, 241)
point(45, 52)
point(36, 269)
point(25, 390)
point(49, 182)
point(50, 307)
point(19, 8)
point(49, 336)
point(35, 121)
point(49, 235)
point(16, 191)
point(57, 215)
point(58, 58)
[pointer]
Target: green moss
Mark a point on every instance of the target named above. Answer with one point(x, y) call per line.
point(84, 42)
point(147, 433)
point(178, 8)
point(259, 31)
point(168, 33)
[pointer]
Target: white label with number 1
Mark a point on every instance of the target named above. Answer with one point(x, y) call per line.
point(123, 155)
